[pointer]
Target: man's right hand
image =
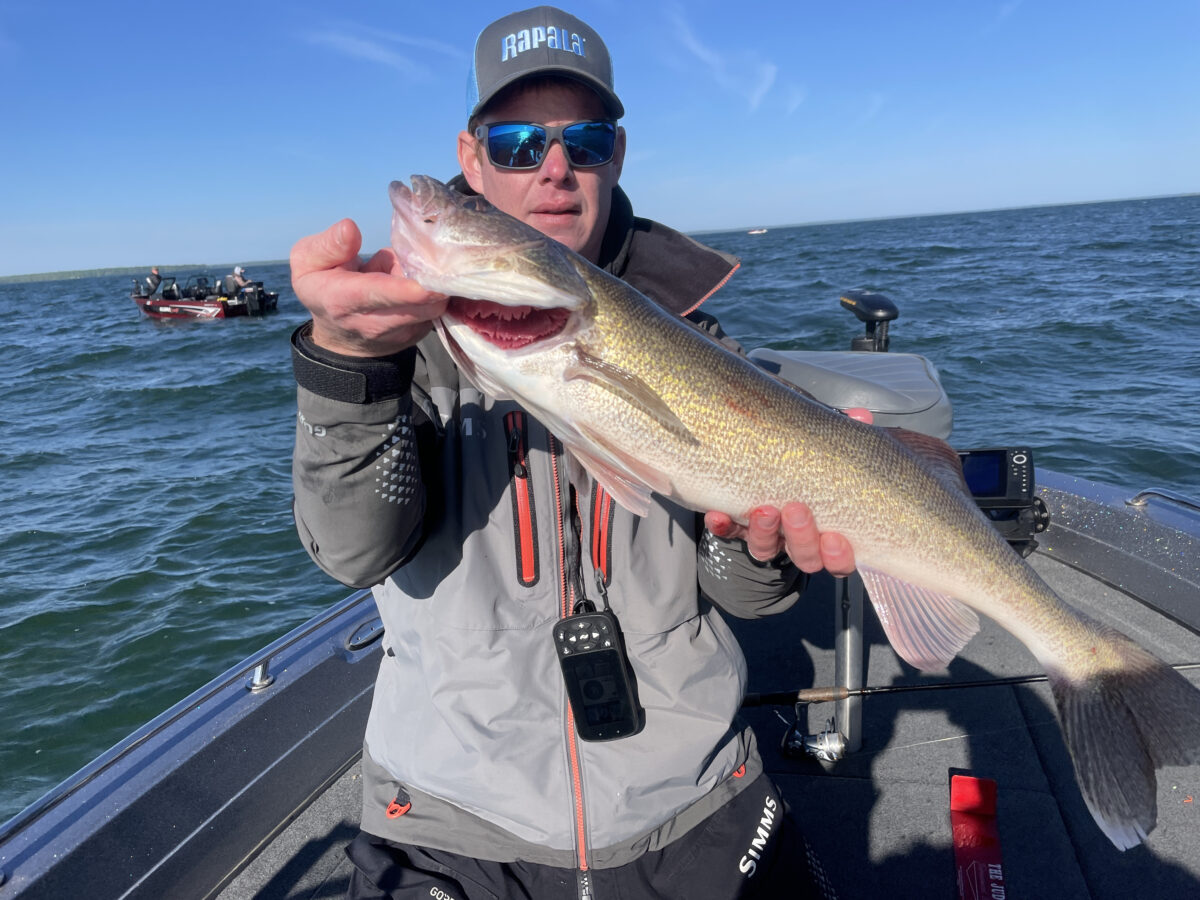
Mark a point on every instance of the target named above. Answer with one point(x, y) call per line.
point(359, 309)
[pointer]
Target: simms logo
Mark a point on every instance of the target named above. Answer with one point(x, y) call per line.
point(532, 38)
point(748, 863)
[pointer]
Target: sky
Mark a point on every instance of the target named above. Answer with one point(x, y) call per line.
point(139, 133)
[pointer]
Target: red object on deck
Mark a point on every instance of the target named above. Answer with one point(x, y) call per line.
point(977, 860)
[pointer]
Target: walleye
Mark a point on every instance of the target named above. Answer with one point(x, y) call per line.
point(650, 405)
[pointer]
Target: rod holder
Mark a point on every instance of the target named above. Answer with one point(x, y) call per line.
point(261, 678)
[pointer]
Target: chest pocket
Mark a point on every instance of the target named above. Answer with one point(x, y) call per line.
point(524, 508)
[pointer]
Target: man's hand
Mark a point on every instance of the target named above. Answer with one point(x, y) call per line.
point(771, 530)
point(359, 309)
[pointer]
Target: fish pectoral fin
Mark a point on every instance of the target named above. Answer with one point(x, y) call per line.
point(628, 481)
point(628, 387)
point(941, 458)
point(927, 629)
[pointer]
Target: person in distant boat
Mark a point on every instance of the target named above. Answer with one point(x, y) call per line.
point(482, 540)
point(235, 281)
point(153, 280)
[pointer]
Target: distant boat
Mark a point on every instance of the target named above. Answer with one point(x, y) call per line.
point(757, 231)
point(200, 300)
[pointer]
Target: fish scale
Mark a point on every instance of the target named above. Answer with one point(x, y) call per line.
point(651, 405)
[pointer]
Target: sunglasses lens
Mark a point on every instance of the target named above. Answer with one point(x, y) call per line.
point(590, 143)
point(521, 145)
point(516, 146)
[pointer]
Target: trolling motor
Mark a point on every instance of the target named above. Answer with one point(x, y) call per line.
point(876, 311)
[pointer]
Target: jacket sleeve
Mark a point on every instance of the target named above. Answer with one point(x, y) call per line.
point(742, 586)
point(356, 470)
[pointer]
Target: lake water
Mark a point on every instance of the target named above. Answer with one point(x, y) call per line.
point(147, 541)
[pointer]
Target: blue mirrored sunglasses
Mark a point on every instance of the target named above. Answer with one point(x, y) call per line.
point(522, 145)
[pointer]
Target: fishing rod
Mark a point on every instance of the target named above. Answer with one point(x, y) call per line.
point(835, 692)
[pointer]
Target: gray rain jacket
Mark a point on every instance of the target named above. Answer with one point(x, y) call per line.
point(460, 511)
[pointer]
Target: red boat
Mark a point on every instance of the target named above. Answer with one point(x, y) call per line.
point(200, 300)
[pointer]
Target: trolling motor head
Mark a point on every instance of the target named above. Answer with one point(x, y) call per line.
point(876, 311)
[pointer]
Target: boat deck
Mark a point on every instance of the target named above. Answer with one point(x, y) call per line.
point(879, 819)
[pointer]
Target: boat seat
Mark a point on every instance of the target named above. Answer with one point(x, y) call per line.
point(900, 389)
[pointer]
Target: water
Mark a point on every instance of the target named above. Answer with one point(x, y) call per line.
point(147, 538)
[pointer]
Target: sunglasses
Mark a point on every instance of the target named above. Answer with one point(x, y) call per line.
point(521, 145)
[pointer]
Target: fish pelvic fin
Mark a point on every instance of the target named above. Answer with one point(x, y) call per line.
point(927, 629)
point(628, 481)
point(1119, 726)
point(632, 390)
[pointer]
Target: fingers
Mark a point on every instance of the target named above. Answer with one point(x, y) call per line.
point(769, 530)
point(721, 525)
point(359, 309)
point(861, 413)
point(337, 245)
point(763, 538)
point(836, 554)
point(801, 537)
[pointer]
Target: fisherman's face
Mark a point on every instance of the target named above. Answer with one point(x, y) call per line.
point(568, 204)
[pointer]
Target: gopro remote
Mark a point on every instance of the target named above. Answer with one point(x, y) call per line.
point(599, 680)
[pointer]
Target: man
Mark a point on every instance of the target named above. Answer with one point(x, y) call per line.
point(463, 513)
point(153, 280)
point(235, 282)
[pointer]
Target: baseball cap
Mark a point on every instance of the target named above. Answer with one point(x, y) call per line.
point(539, 41)
point(238, 270)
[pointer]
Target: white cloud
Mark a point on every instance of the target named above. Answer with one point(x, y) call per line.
point(796, 95)
point(745, 75)
point(368, 50)
point(380, 46)
point(875, 103)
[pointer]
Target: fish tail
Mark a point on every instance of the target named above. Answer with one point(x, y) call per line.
point(1120, 724)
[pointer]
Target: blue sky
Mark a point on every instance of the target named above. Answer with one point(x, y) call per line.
point(142, 133)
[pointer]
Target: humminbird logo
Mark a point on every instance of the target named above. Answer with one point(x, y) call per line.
point(532, 38)
point(749, 861)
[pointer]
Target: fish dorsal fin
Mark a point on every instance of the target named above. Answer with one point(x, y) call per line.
point(632, 390)
point(939, 456)
point(926, 629)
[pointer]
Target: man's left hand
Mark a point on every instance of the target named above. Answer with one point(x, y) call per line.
point(772, 530)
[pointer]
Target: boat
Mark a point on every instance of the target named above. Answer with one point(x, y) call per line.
point(250, 786)
point(198, 299)
point(757, 231)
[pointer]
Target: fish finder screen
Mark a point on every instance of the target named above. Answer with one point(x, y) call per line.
point(986, 474)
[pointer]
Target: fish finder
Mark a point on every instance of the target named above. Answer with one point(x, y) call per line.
point(1001, 482)
point(999, 478)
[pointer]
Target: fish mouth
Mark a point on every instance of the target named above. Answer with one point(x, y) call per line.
point(508, 327)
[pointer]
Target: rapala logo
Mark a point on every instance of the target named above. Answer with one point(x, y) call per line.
point(531, 38)
point(748, 864)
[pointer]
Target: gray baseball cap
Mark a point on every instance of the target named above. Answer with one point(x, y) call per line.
point(539, 41)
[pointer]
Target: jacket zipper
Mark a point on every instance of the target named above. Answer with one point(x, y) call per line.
point(524, 513)
point(602, 519)
point(569, 558)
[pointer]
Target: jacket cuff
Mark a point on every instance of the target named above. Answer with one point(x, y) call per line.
point(350, 379)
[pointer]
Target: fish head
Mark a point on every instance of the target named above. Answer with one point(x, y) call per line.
point(516, 295)
point(463, 246)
